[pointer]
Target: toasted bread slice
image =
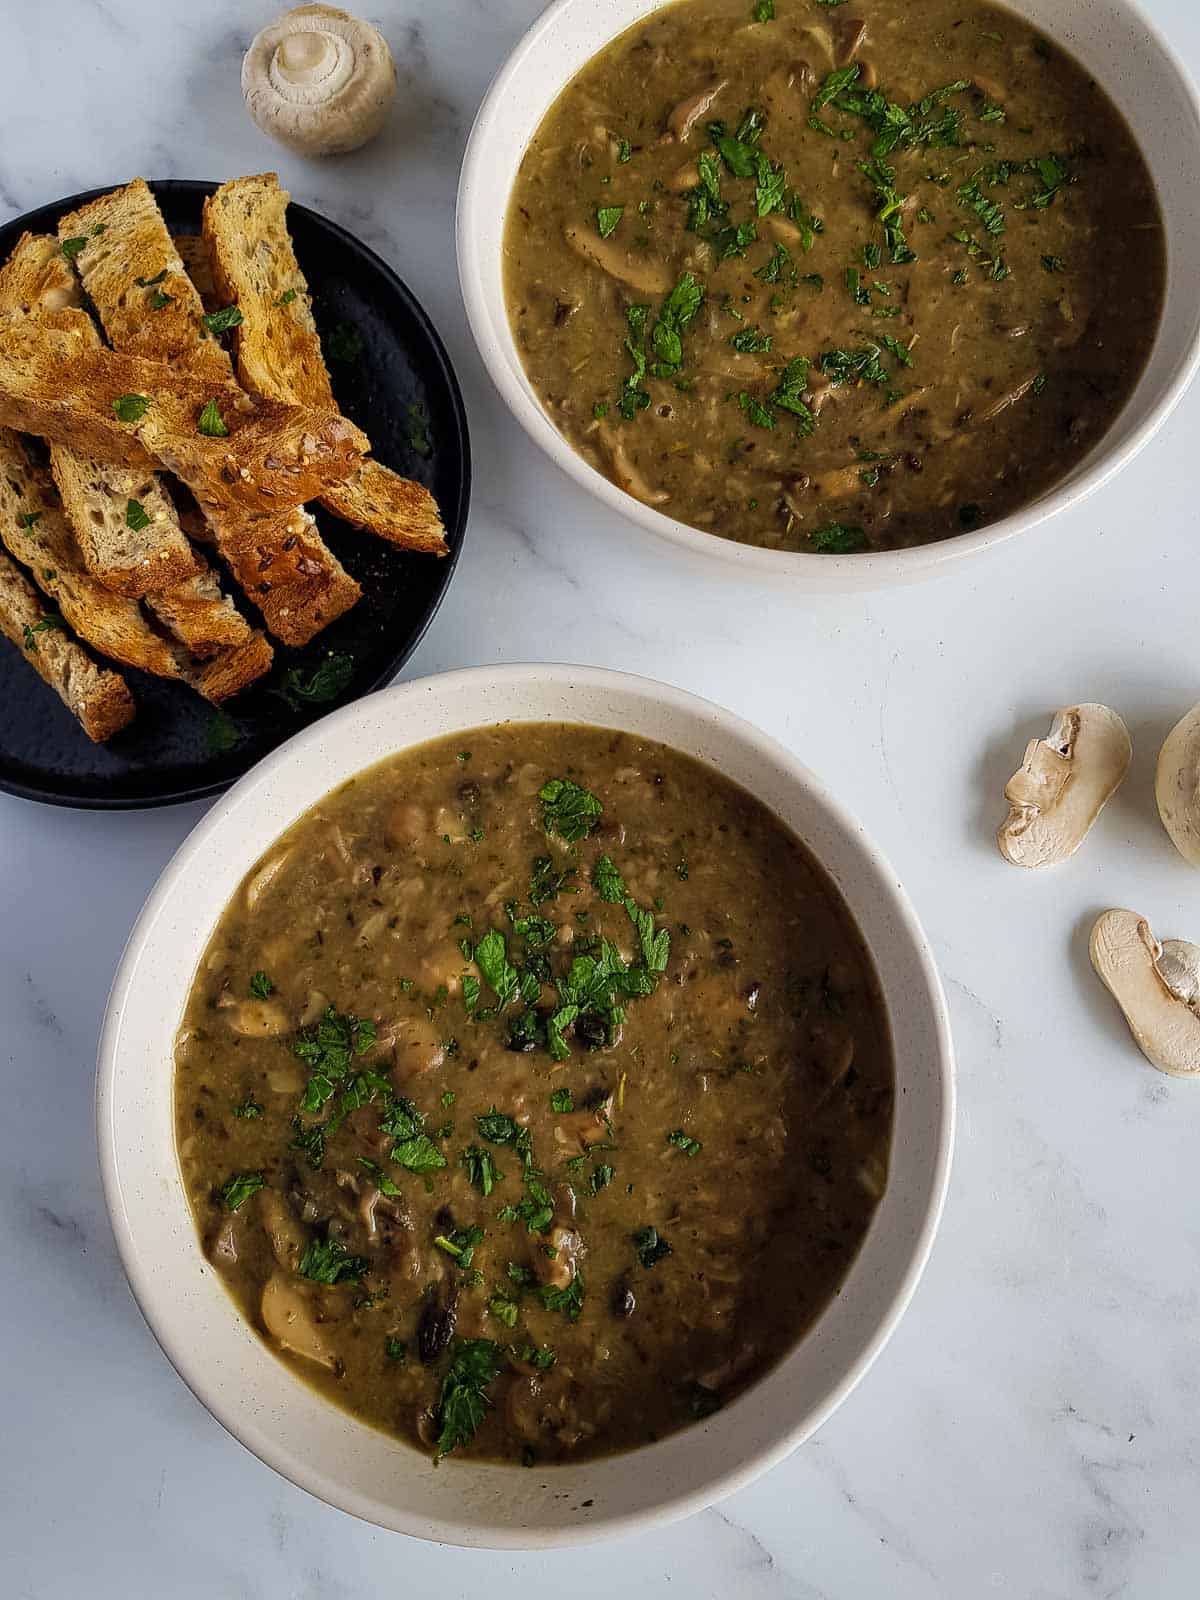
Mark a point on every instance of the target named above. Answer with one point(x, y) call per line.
point(200, 616)
point(34, 529)
point(127, 260)
point(231, 671)
point(98, 499)
point(255, 268)
point(98, 698)
point(288, 571)
point(37, 278)
point(397, 509)
point(192, 250)
point(279, 351)
point(55, 383)
point(105, 505)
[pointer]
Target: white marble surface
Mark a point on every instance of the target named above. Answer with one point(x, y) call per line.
point(1032, 1429)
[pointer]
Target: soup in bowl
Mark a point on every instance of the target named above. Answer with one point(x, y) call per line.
point(842, 282)
point(560, 1109)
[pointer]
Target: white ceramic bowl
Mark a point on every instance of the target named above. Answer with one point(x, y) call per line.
point(289, 1425)
point(1113, 38)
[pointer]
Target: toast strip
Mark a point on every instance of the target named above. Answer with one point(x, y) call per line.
point(288, 571)
point(146, 302)
point(200, 616)
point(35, 280)
point(279, 351)
point(103, 503)
point(98, 698)
point(54, 383)
point(34, 529)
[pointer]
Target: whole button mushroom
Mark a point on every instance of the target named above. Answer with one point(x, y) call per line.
point(1062, 785)
point(1177, 786)
point(319, 80)
point(1157, 986)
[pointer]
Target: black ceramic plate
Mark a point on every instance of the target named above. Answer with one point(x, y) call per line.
point(396, 381)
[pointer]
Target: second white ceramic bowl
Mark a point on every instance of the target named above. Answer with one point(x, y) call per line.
point(1114, 39)
point(292, 1427)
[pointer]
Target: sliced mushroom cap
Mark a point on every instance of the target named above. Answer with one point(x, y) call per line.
point(1177, 786)
point(1157, 986)
point(1062, 785)
point(288, 1316)
point(319, 80)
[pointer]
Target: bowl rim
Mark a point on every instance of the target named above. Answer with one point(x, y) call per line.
point(115, 1145)
point(498, 352)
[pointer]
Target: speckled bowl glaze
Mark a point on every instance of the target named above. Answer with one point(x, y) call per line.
point(289, 1425)
point(1114, 39)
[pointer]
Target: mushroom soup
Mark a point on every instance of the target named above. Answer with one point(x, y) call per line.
point(834, 278)
point(534, 1093)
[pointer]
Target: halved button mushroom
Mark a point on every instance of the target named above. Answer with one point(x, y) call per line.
point(1062, 785)
point(1177, 786)
point(1157, 986)
point(289, 1318)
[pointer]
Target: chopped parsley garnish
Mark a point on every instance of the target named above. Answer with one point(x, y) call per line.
point(211, 423)
point(261, 986)
point(683, 1141)
point(764, 11)
point(149, 283)
point(136, 516)
point(238, 1189)
point(504, 1308)
point(607, 218)
point(27, 520)
point(464, 1400)
point(989, 212)
point(569, 1300)
point(44, 624)
point(395, 1349)
point(491, 957)
point(461, 1244)
point(1054, 264)
point(221, 321)
point(344, 344)
point(286, 298)
point(247, 1110)
point(419, 437)
point(131, 407)
point(418, 1154)
point(71, 247)
point(328, 1049)
point(562, 1101)
point(498, 1128)
point(540, 1357)
point(324, 683)
point(379, 1177)
point(650, 1245)
point(751, 341)
point(158, 301)
point(568, 810)
point(481, 1169)
point(602, 1176)
point(221, 734)
point(838, 539)
point(328, 1261)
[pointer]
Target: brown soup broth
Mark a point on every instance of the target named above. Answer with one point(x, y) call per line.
point(534, 1121)
point(852, 278)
